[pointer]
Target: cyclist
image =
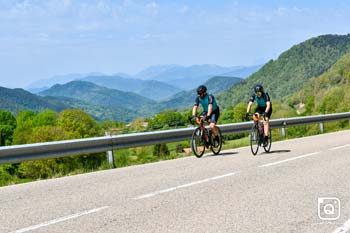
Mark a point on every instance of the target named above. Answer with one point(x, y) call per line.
point(264, 108)
point(210, 112)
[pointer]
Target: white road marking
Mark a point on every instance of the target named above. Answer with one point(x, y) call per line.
point(344, 228)
point(184, 186)
point(290, 159)
point(62, 219)
point(340, 147)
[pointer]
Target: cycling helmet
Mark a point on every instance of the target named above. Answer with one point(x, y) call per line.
point(258, 88)
point(201, 89)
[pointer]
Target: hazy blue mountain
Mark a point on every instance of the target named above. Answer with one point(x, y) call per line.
point(185, 99)
point(243, 71)
point(44, 84)
point(97, 95)
point(218, 84)
point(188, 78)
point(151, 89)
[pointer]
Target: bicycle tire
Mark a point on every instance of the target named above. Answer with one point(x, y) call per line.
point(197, 143)
point(216, 150)
point(268, 147)
point(254, 140)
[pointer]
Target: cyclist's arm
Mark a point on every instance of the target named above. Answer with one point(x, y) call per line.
point(249, 106)
point(194, 110)
point(195, 107)
point(210, 105)
point(268, 106)
point(210, 109)
point(251, 101)
point(268, 103)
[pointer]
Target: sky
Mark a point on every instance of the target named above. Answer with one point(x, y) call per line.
point(44, 38)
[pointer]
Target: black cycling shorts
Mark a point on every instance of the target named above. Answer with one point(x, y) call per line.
point(261, 110)
point(214, 116)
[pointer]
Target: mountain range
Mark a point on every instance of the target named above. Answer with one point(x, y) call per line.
point(312, 76)
point(156, 82)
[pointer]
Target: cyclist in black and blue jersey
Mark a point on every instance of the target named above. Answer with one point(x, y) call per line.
point(264, 108)
point(211, 110)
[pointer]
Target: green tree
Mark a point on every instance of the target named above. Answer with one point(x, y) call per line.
point(227, 116)
point(78, 123)
point(239, 112)
point(7, 127)
point(46, 117)
point(24, 127)
point(167, 119)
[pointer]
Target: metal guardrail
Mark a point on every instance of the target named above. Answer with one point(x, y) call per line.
point(20, 153)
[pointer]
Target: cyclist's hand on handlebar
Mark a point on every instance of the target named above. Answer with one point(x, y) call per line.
point(247, 116)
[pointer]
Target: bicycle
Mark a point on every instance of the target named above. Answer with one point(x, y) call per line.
point(203, 138)
point(257, 135)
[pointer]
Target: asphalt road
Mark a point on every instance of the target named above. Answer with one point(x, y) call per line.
point(291, 189)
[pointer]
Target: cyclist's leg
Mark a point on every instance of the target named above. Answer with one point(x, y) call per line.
point(267, 122)
point(213, 120)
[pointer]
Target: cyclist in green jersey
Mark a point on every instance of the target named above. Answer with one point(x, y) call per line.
point(264, 108)
point(211, 110)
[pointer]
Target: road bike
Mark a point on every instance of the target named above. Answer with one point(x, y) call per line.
point(257, 135)
point(203, 138)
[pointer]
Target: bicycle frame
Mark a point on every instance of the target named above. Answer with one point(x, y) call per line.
point(206, 139)
point(258, 133)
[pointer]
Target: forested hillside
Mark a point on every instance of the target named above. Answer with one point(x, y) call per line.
point(292, 69)
point(328, 93)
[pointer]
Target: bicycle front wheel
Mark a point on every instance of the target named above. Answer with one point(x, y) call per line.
point(216, 145)
point(197, 143)
point(254, 139)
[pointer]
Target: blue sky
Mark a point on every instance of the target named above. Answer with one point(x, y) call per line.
point(41, 39)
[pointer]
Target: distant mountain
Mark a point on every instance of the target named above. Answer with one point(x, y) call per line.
point(97, 95)
point(151, 89)
point(15, 100)
point(185, 99)
point(293, 68)
point(189, 77)
point(44, 84)
point(100, 113)
point(218, 84)
point(243, 72)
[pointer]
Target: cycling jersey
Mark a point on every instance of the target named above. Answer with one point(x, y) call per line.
point(262, 100)
point(208, 99)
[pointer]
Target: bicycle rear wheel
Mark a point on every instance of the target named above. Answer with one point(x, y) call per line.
point(216, 148)
point(267, 148)
point(254, 139)
point(197, 143)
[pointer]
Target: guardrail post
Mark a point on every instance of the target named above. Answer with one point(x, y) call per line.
point(321, 127)
point(109, 154)
point(283, 129)
point(283, 132)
